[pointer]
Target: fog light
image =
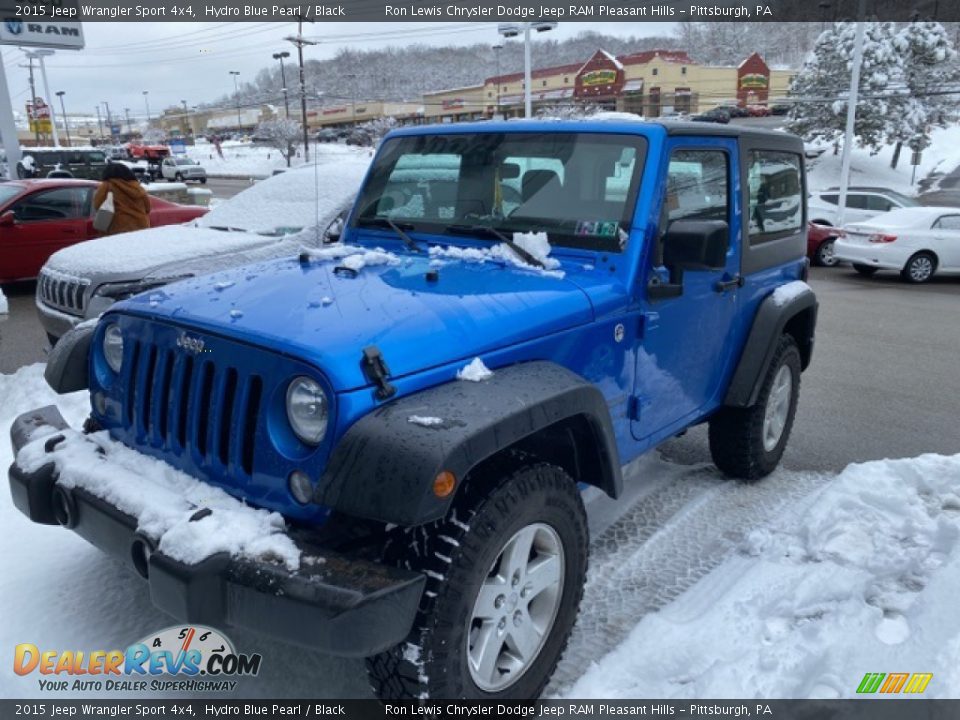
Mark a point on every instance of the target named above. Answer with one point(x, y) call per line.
point(300, 487)
point(444, 483)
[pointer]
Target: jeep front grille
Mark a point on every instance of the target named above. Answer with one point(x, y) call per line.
point(193, 404)
point(62, 292)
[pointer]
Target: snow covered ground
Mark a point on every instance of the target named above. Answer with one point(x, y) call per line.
point(245, 160)
point(943, 156)
point(699, 586)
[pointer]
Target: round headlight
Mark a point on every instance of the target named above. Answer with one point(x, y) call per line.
point(307, 410)
point(113, 347)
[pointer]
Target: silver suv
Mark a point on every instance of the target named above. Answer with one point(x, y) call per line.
point(181, 169)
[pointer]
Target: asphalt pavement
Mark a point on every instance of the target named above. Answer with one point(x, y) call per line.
point(884, 381)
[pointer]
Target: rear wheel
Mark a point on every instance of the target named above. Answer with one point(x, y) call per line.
point(747, 443)
point(505, 573)
point(178, 178)
point(825, 256)
point(865, 270)
point(920, 268)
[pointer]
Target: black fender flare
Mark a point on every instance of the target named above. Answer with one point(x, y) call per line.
point(796, 316)
point(384, 466)
point(68, 364)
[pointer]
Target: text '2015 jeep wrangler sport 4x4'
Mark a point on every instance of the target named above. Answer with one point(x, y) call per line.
point(514, 312)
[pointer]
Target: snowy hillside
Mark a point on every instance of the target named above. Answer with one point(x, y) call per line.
point(699, 586)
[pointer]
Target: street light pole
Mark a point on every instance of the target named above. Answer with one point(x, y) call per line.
point(109, 118)
point(283, 78)
point(513, 30)
point(126, 111)
point(496, 49)
point(236, 92)
point(146, 101)
point(66, 125)
point(33, 100)
point(99, 122)
point(300, 42)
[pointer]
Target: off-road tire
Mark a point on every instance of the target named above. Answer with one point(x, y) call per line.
point(907, 274)
point(178, 178)
point(456, 554)
point(865, 270)
point(736, 434)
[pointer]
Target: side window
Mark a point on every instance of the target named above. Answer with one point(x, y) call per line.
point(857, 202)
point(832, 199)
point(776, 199)
point(59, 204)
point(947, 222)
point(697, 185)
point(880, 204)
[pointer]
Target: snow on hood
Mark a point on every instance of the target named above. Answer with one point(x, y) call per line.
point(294, 199)
point(137, 253)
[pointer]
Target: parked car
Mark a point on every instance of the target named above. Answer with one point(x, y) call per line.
point(85, 163)
point(41, 217)
point(263, 221)
point(820, 248)
point(917, 242)
point(779, 109)
point(327, 135)
point(155, 153)
point(758, 111)
point(714, 115)
point(181, 169)
point(118, 152)
point(863, 203)
point(423, 400)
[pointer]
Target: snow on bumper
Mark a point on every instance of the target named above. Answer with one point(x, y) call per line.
point(208, 557)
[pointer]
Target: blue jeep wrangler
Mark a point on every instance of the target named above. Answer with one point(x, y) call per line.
point(514, 312)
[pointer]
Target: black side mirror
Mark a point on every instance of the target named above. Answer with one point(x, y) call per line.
point(690, 245)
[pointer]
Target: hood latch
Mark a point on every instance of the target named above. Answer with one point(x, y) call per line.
point(376, 370)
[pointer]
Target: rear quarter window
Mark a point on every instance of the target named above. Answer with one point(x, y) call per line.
point(776, 194)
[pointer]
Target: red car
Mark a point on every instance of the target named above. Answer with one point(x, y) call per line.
point(820, 244)
point(147, 152)
point(39, 217)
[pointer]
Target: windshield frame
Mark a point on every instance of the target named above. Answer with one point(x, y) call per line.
point(386, 161)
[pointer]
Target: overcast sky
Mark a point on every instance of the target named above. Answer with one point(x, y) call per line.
point(192, 61)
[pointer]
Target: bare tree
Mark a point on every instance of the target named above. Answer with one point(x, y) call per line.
point(283, 135)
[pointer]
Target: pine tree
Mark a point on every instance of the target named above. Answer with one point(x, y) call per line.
point(821, 89)
point(929, 66)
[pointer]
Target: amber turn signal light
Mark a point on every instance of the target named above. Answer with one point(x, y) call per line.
point(444, 483)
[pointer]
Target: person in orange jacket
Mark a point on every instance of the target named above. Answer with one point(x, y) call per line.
point(130, 201)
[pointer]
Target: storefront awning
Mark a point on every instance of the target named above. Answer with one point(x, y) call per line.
point(545, 96)
point(633, 86)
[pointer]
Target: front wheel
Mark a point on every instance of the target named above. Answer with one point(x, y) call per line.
point(825, 257)
point(865, 270)
point(178, 178)
point(919, 268)
point(747, 443)
point(505, 573)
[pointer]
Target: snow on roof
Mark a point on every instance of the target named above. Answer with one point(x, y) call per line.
point(612, 58)
point(909, 217)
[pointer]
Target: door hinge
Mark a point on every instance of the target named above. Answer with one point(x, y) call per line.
point(633, 408)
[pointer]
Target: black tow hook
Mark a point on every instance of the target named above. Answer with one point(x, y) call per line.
point(141, 549)
point(64, 508)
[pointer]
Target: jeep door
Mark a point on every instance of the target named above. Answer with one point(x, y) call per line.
point(684, 352)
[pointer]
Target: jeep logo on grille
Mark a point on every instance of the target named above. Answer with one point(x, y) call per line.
point(190, 344)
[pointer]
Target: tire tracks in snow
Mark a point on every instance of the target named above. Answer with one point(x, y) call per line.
point(664, 543)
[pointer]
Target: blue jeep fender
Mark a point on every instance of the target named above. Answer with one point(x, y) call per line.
point(796, 317)
point(384, 466)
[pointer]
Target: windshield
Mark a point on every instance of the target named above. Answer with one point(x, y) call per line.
point(184, 161)
point(579, 188)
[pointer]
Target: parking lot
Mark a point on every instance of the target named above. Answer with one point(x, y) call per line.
point(883, 383)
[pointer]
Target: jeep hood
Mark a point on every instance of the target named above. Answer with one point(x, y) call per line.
point(326, 317)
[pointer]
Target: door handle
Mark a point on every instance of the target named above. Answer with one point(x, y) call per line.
point(722, 286)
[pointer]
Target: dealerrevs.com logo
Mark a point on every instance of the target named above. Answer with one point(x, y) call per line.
point(181, 658)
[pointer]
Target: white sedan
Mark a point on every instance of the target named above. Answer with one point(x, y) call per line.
point(917, 242)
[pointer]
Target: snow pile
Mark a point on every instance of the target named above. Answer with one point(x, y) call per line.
point(537, 244)
point(785, 293)
point(4, 307)
point(351, 256)
point(296, 199)
point(864, 578)
point(245, 160)
point(424, 421)
point(163, 500)
point(474, 371)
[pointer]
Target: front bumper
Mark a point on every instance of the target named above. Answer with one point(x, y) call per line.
point(332, 603)
point(56, 322)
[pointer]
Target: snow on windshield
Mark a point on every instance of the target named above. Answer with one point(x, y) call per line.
point(291, 200)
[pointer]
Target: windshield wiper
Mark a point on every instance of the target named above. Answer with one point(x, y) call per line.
point(474, 229)
point(398, 228)
point(224, 228)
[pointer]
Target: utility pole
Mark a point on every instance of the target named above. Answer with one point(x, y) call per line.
point(33, 101)
point(109, 119)
point(236, 92)
point(300, 42)
point(496, 49)
point(99, 121)
point(146, 101)
point(851, 114)
point(283, 78)
point(66, 124)
point(126, 111)
point(187, 119)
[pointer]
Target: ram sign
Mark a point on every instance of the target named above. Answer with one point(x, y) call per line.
point(41, 33)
